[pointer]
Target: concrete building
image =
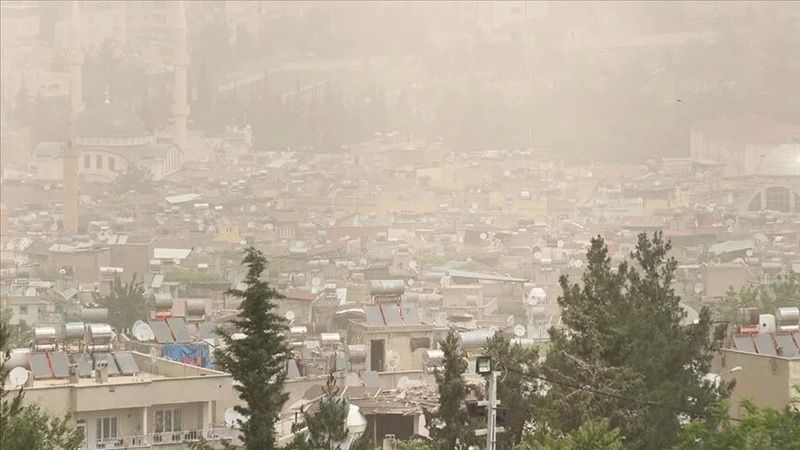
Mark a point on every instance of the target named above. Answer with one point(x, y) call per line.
point(148, 402)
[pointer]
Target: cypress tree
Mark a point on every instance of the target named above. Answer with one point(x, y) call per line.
point(327, 427)
point(449, 425)
point(258, 360)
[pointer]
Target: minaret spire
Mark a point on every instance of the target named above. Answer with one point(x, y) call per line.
point(70, 156)
point(180, 108)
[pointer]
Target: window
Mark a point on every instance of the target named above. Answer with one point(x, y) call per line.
point(112, 163)
point(106, 428)
point(778, 199)
point(23, 309)
point(99, 161)
point(87, 161)
point(168, 420)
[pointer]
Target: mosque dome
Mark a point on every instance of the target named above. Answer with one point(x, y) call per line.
point(108, 120)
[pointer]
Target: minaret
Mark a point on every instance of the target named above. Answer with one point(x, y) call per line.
point(70, 158)
point(180, 108)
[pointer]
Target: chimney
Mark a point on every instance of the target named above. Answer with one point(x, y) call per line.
point(101, 371)
point(389, 442)
point(73, 374)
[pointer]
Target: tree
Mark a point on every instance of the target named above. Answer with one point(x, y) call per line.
point(126, 303)
point(623, 354)
point(19, 335)
point(27, 426)
point(785, 291)
point(449, 424)
point(258, 360)
point(758, 429)
point(414, 444)
point(594, 435)
point(514, 388)
point(327, 427)
point(134, 178)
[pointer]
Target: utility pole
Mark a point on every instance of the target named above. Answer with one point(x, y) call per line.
point(491, 413)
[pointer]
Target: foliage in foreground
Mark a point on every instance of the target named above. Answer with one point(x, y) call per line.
point(257, 361)
point(785, 291)
point(327, 427)
point(595, 435)
point(126, 303)
point(624, 354)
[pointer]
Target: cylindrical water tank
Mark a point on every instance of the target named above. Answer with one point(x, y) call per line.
point(195, 307)
point(18, 357)
point(434, 277)
point(99, 331)
point(411, 297)
point(74, 330)
point(787, 315)
point(766, 324)
point(387, 287)
point(44, 334)
point(475, 339)
point(330, 337)
point(94, 315)
point(162, 301)
point(98, 348)
point(357, 353)
point(432, 357)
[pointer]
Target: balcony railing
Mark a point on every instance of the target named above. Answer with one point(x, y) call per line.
point(121, 442)
point(175, 437)
point(165, 438)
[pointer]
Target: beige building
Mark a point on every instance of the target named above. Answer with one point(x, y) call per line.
point(761, 375)
point(162, 404)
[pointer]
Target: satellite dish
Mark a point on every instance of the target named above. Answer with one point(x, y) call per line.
point(392, 359)
point(698, 288)
point(519, 330)
point(233, 418)
point(63, 271)
point(589, 174)
point(412, 264)
point(142, 331)
point(730, 229)
point(290, 315)
point(316, 281)
point(749, 253)
point(483, 236)
point(560, 243)
point(19, 376)
point(579, 263)
point(402, 383)
point(506, 173)
point(410, 282)
point(537, 255)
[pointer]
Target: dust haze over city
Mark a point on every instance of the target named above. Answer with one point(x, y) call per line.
point(400, 225)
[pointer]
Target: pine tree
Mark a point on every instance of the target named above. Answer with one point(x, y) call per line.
point(624, 354)
point(517, 393)
point(258, 360)
point(449, 425)
point(327, 427)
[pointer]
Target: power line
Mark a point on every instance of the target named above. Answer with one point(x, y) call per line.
point(612, 395)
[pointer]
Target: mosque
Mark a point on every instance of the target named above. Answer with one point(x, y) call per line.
point(109, 137)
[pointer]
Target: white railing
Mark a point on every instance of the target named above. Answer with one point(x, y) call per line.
point(175, 437)
point(121, 442)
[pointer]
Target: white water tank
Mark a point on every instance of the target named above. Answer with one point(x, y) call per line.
point(766, 323)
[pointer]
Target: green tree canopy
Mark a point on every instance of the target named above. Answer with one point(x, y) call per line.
point(449, 424)
point(785, 291)
point(126, 303)
point(516, 390)
point(258, 360)
point(327, 427)
point(594, 435)
point(758, 429)
point(623, 354)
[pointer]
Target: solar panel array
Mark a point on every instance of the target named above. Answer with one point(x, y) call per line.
point(127, 365)
point(764, 344)
point(374, 316)
point(60, 364)
point(85, 365)
point(787, 345)
point(205, 330)
point(392, 315)
point(411, 316)
point(179, 330)
point(744, 343)
point(40, 366)
point(112, 364)
point(161, 331)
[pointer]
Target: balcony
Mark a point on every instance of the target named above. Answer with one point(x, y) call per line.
point(159, 439)
point(121, 442)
